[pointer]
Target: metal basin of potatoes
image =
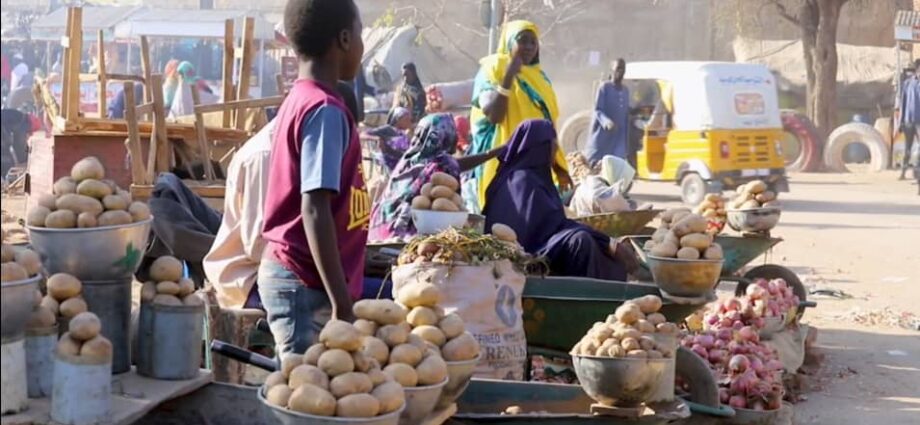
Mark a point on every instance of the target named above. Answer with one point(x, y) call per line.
point(290, 417)
point(96, 253)
point(754, 220)
point(18, 298)
point(685, 278)
point(622, 382)
point(420, 402)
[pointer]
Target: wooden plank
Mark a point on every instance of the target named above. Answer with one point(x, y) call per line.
point(102, 89)
point(138, 173)
point(185, 131)
point(146, 70)
point(124, 77)
point(280, 84)
point(227, 82)
point(249, 104)
point(143, 192)
point(158, 160)
point(204, 151)
point(65, 77)
point(144, 109)
point(242, 88)
point(76, 52)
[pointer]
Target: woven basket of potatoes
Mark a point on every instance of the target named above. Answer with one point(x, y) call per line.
point(167, 285)
point(682, 256)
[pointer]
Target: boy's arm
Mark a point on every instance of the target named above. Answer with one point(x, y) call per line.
point(319, 225)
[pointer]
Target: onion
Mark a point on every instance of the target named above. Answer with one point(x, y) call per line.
point(737, 325)
point(737, 401)
point(747, 333)
point(705, 340)
point(700, 351)
point(755, 292)
point(758, 323)
point(712, 319)
point(774, 365)
point(716, 356)
point(724, 334)
point(733, 304)
point(739, 363)
point(724, 395)
point(757, 366)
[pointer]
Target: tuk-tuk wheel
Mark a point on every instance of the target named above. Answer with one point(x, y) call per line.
point(693, 189)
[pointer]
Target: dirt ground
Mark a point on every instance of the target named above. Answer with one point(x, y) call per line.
point(854, 233)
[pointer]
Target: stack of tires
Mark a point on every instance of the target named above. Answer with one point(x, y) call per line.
point(805, 152)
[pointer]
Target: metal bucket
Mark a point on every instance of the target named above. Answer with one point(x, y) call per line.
point(110, 300)
point(169, 341)
point(17, 304)
point(13, 392)
point(82, 393)
point(40, 346)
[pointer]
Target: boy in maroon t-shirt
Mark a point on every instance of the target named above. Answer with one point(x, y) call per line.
point(316, 206)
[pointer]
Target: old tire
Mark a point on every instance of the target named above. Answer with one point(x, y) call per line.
point(801, 131)
point(855, 132)
point(575, 132)
point(694, 370)
point(692, 189)
point(773, 271)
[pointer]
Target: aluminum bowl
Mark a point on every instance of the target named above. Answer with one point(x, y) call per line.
point(685, 278)
point(622, 382)
point(290, 417)
point(18, 298)
point(458, 378)
point(754, 220)
point(420, 402)
point(431, 222)
point(97, 253)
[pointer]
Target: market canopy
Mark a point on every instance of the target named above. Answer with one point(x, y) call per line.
point(54, 25)
point(190, 24)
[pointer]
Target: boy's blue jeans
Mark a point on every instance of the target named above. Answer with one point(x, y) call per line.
point(295, 312)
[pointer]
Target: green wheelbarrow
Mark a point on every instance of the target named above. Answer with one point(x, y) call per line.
point(619, 223)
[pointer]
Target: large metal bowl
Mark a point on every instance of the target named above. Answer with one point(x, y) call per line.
point(754, 220)
point(420, 402)
point(290, 417)
point(458, 378)
point(622, 382)
point(18, 298)
point(685, 278)
point(97, 253)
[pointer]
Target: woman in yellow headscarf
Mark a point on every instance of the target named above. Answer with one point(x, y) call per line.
point(509, 89)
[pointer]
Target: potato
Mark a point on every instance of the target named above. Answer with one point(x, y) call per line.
point(384, 312)
point(421, 316)
point(406, 353)
point(312, 400)
point(648, 304)
point(756, 187)
point(61, 219)
point(148, 291)
point(67, 346)
point(139, 211)
point(637, 354)
point(376, 349)
point(645, 326)
point(432, 370)
point(192, 300)
point(275, 378)
point(63, 186)
point(168, 288)
point(94, 189)
point(42, 317)
point(659, 234)
point(363, 363)
point(46, 200)
point(62, 286)
point(668, 215)
point(29, 260)
point(688, 253)
point(654, 354)
point(366, 327)
point(664, 249)
point(692, 223)
point(307, 374)
point(444, 179)
point(114, 218)
point(7, 253)
point(357, 406)
point(714, 252)
point(421, 203)
point(504, 232)
point(431, 334)
point(170, 300)
point(87, 220)
point(442, 204)
point(84, 326)
point(402, 373)
point(37, 215)
point(167, 268)
point(647, 343)
point(628, 313)
point(656, 318)
point(336, 362)
point(426, 190)
point(278, 395)
point(79, 204)
point(452, 326)
point(87, 168)
point(340, 334)
point(51, 304)
point(458, 200)
point(418, 294)
point(350, 383)
point(186, 287)
point(463, 347)
point(311, 356)
point(749, 205)
point(699, 241)
point(630, 344)
point(97, 349)
point(667, 328)
point(442, 192)
point(390, 395)
point(289, 362)
point(115, 202)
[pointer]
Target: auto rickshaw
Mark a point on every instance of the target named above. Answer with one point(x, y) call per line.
point(709, 126)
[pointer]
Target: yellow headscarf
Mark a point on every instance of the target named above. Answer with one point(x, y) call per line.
point(521, 106)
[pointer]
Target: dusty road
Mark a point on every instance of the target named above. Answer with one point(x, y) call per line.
point(859, 234)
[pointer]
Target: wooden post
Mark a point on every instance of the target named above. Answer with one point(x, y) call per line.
point(229, 57)
point(158, 159)
point(146, 70)
point(138, 174)
point(73, 53)
point(204, 151)
point(242, 88)
point(65, 62)
point(100, 72)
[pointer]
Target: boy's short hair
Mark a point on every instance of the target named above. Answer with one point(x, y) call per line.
point(313, 25)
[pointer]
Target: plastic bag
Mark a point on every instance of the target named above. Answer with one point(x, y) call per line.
point(595, 196)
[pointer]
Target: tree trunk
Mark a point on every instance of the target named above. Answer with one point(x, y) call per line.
point(818, 23)
point(808, 25)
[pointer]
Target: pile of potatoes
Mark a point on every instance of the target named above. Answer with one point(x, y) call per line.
point(167, 286)
point(441, 193)
point(86, 199)
point(635, 331)
point(683, 235)
point(755, 195)
point(444, 333)
point(713, 209)
point(63, 300)
point(18, 263)
point(83, 340)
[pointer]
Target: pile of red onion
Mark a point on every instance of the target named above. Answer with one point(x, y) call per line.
point(762, 299)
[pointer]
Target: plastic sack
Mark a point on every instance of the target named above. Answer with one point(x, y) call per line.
point(594, 196)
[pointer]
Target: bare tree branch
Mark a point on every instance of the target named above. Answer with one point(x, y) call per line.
point(783, 12)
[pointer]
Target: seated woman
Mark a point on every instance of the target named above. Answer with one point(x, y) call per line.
point(523, 196)
point(431, 150)
point(392, 138)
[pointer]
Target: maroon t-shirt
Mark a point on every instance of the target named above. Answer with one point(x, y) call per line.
point(283, 227)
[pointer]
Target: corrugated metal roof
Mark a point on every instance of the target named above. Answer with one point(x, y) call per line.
point(94, 18)
point(907, 18)
point(190, 23)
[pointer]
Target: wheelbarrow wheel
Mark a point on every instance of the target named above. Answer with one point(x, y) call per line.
point(694, 371)
point(773, 271)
